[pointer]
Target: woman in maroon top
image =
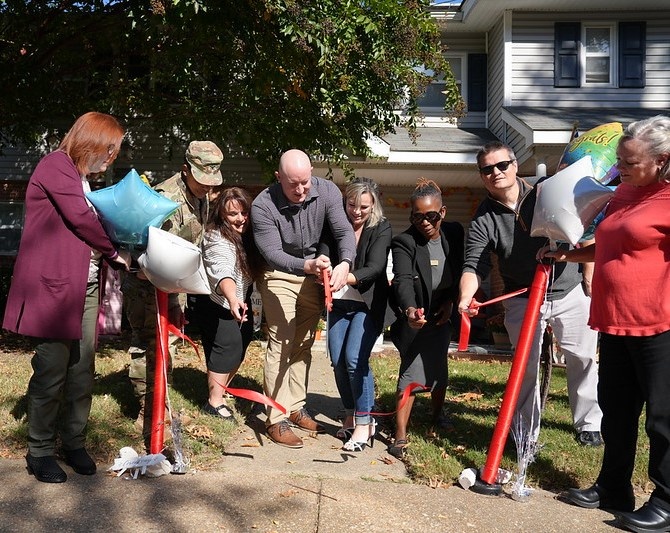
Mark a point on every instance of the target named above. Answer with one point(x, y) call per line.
point(54, 292)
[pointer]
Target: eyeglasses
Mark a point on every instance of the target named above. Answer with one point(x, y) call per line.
point(430, 216)
point(502, 166)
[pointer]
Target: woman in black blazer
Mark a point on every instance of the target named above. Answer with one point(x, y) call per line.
point(357, 317)
point(427, 262)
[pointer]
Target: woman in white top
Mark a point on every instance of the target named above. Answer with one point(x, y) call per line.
point(232, 263)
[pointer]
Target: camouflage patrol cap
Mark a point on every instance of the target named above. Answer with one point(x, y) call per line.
point(205, 159)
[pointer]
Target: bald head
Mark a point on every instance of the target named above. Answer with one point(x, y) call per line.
point(295, 175)
point(294, 161)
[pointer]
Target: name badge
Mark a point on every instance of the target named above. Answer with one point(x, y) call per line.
point(434, 262)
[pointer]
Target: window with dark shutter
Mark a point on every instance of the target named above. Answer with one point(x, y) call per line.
point(632, 54)
point(476, 82)
point(567, 70)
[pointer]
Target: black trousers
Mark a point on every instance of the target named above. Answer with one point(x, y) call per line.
point(635, 371)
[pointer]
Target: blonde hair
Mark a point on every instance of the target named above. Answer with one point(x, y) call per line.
point(357, 188)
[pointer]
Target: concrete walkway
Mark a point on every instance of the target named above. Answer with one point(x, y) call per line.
point(262, 487)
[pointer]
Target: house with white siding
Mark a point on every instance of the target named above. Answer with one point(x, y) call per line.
point(529, 72)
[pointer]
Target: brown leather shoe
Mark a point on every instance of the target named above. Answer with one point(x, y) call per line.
point(304, 420)
point(283, 435)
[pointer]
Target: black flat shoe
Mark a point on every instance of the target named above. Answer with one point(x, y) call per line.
point(647, 519)
point(222, 411)
point(45, 469)
point(80, 461)
point(597, 497)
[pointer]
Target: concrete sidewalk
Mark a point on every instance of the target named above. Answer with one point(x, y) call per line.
point(261, 487)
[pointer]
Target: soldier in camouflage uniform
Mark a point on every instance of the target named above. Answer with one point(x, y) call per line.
point(189, 188)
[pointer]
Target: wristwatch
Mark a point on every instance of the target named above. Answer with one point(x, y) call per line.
point(348, 262)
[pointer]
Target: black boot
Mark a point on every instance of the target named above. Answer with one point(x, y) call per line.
point(80, 461)
point(45, 469)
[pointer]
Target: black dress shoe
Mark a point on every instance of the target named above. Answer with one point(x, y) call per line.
point(45, 469)
point(80, 461)
point(597, 497)
point(646, 519)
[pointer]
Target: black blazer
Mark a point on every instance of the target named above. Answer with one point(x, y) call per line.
point(369, 267)
point(412, 278)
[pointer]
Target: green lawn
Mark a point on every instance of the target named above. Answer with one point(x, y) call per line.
point(473, 400)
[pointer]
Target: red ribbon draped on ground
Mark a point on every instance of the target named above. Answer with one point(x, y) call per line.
point(464, 337)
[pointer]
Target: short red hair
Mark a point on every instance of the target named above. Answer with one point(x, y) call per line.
point(90, 137)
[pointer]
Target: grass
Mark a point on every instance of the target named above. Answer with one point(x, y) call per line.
point(475, 393)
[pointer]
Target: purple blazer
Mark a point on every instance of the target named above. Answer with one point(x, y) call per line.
point(46, 297)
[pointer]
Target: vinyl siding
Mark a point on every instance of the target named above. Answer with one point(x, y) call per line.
point(533, 64)
point(497, 70)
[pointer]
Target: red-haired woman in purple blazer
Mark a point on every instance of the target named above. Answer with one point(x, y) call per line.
point(53, 297)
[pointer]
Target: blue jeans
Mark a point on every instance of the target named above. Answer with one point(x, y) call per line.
point(351, 336)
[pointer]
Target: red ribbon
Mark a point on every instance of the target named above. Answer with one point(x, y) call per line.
point(178, 333)
point(327, 290)
point(464, 337)
point(403, 399)
point(253, 396)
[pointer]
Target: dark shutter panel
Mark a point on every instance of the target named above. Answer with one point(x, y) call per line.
point(567, 71)
point(632, 54)
point(477, 82)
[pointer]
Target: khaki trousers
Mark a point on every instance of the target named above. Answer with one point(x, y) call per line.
point(292, 306)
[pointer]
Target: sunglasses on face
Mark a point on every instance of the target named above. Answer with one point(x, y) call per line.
point(502, 166)
point(431, 216)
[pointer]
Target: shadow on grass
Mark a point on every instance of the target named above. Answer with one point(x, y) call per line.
point(118, 386)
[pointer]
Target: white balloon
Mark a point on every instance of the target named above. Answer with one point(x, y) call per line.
point(568, 202)
point(173, 264)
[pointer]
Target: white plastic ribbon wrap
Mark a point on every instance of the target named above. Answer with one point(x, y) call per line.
point(152, 465)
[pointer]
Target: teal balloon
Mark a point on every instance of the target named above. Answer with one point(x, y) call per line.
point(129, 208)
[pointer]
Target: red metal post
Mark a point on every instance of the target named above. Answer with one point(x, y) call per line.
point(160, 373)
point(519, 362)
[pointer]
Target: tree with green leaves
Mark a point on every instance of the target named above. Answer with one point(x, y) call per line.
point(266, 75)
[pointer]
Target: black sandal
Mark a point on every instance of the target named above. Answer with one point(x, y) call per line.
point(222, 411)
point(398, 449)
